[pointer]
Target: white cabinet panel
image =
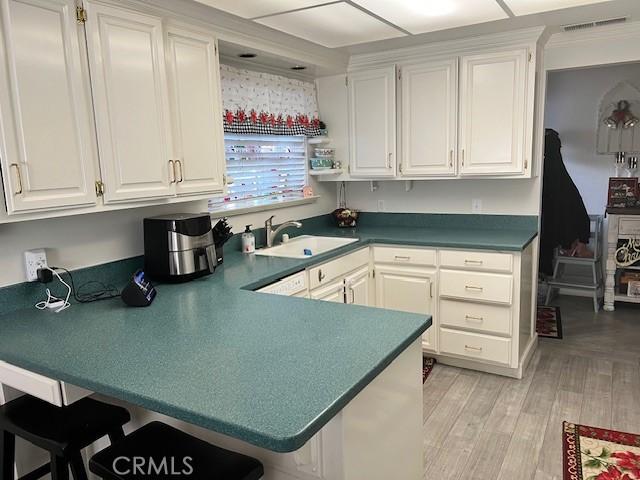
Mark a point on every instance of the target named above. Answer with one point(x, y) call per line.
point(429, 119)
point(357, 287)
point(333, 292)
point(196, 112)
point(407, 289)
point(127, 60)
point(493, 113)
point(372, 122)
point(475, 346)
point(493, 319)
point(47, 144)
point(476, 286)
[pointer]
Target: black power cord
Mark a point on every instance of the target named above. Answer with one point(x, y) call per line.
point(101, 291)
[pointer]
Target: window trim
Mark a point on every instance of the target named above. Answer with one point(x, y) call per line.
point(239, 209)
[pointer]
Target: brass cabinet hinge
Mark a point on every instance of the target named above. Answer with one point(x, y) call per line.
point(373, 273)
point(399, 74)
point(530, 56)
point(99, 188)
point(346, 81)
point(526, 163)
point(349, 169)
point(81, 14)
point(224, 178)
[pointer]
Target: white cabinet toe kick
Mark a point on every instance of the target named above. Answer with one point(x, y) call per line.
point(481, 301)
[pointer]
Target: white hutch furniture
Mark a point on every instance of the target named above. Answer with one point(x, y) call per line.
point(623, 224)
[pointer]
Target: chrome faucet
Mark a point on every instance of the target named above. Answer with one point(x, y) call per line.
point(271, 233)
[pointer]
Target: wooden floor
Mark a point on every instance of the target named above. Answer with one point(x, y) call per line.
point(481, 426)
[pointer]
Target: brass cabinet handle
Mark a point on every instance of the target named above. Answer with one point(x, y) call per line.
point(474, 262)
point(451, 158)
point(389, 160)
point(172, 172)
point(462, 154)
point(179, 164)
point(475, 349)
point(19, 175)
point(471, 287)
point(471, 317)
point(404, 258)
point(321, 276)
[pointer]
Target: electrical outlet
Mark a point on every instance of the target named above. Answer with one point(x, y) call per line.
point(33, 260)
point(476, 205)
point(381, 205)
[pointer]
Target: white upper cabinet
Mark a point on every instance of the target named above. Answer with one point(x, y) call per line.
point(372, 122)
point(46, 138)
point(493, 110)
point(198, 138)
point(127, 60)
point(429, 119)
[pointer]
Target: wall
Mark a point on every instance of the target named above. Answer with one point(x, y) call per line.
point(91, 239)
point(573, 99)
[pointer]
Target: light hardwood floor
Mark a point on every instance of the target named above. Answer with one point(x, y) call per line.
point(483, 427)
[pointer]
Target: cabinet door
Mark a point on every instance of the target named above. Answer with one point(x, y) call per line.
point(198, 138)
point(128, 74)
point(429, 119)
point(333, 292)
point(372, 122)
point(357, 287)
point(493, 113)
point(407, 289)
point(47, 145)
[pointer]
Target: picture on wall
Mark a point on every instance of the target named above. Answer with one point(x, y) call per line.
point(623, 192)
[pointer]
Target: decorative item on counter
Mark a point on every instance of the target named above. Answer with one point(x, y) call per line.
point(307, 191)
point(325, 152)
point(248, 241)
point(344, 217)
point(221, 234)
point(623, 192)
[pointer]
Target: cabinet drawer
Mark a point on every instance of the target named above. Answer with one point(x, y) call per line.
point(34, 384)
point(629, 226)
point(323, 274)
point(475, 345)
point(39, 386)
point(473, 260)
point(494, 319)
point(486, 287)
point(403, 256)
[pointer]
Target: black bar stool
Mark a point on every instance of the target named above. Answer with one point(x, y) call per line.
point(62, 431)
point(158, 451)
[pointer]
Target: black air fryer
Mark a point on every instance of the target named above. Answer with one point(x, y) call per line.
point(178, 247)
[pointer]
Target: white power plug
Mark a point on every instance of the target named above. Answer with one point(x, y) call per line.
point(34, 260)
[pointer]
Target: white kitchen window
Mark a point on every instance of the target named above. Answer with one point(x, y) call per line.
point(262, 170)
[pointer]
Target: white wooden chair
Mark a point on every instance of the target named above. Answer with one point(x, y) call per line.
point(563, 279)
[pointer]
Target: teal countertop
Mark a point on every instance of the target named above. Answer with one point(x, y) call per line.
point(265, 369)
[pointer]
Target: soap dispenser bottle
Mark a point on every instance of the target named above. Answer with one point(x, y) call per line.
point(248, 241)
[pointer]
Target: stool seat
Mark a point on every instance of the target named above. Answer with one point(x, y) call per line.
point(162, 451)
point(61, 430)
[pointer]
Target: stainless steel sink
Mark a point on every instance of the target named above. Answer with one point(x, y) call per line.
point(295, 248)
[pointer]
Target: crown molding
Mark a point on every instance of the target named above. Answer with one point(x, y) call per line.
point(448, 47)
point(243, 32)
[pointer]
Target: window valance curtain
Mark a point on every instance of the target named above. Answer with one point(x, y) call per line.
point(262, 103)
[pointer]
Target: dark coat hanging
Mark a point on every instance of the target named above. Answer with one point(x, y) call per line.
point(564, 216)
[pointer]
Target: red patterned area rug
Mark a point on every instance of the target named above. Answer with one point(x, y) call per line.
point(549, 322)
point(427, 366)
point(591, 453)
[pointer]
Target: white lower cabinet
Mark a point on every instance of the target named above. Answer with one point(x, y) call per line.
point(357, 287)
point(408, 289)
point(480, 301)
point(333, 292)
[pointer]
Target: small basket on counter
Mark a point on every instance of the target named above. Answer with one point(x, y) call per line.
point(343, 216)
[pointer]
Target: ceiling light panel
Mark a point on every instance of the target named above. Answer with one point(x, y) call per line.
point(526, 7)
point(259, 8)
point(420, 16)
point(335, 25)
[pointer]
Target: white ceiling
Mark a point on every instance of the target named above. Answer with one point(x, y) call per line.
point(350, 22)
